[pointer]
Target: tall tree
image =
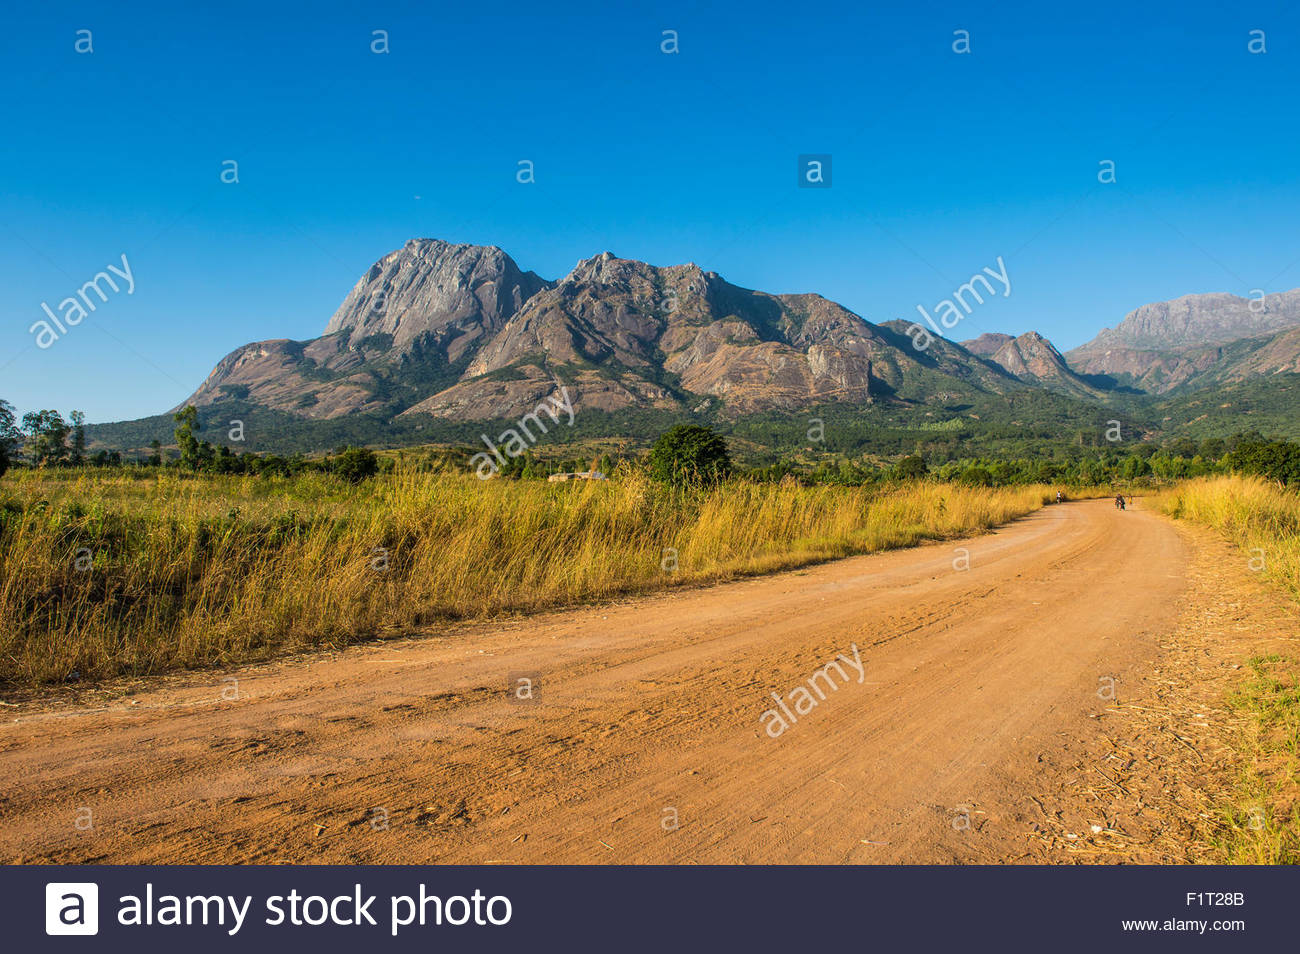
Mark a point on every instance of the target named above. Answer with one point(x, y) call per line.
point(187, 422)
point(10, 436)
point(77, 421)
point(48, 433)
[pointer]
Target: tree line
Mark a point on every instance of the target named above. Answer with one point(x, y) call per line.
point(45, 434)
point(685, 453)
point(48, 440)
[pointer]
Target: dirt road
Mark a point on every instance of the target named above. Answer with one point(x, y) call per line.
point(646, 739)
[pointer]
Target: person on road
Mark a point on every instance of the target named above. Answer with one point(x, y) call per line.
point(1060, 497)
point(1119, 501)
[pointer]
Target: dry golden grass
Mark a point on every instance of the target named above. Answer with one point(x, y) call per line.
point(1259, 516)
point(1261, 821)
point(197, 571)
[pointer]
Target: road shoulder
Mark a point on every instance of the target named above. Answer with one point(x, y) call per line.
point(1154, 785)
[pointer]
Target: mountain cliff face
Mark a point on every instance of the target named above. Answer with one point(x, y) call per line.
point(452, 295)
point(316, 378)
point(987, 344)
point(1035, 360)
point(1195, 341)
point(413, 321)
point(1196, 320)
point(622, 333)
point(1160, 372)
point(1275, 354)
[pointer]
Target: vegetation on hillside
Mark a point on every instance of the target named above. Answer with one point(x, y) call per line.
point(828, 457)
point(1025, 423)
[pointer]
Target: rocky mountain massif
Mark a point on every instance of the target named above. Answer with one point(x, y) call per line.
point(1033, 359)
point(461, 332)
point(412, 322)
point(1195, 341)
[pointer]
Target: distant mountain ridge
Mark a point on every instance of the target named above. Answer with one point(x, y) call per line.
point(1195, 341)
point(1032, 358)
point(987, 344)
point(1195, 320)
point(461, 332)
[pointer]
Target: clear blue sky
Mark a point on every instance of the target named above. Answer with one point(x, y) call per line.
point(941, 162)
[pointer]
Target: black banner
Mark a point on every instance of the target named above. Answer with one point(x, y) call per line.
point(194, 908)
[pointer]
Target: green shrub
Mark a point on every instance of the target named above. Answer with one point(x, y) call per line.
point(690, 454)
point(356, 464)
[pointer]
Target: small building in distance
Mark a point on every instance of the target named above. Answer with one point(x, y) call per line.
point(580, 475)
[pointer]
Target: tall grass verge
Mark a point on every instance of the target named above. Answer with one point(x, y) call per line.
point(109, 575)
point(1261, 822)
point(1260, 517)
